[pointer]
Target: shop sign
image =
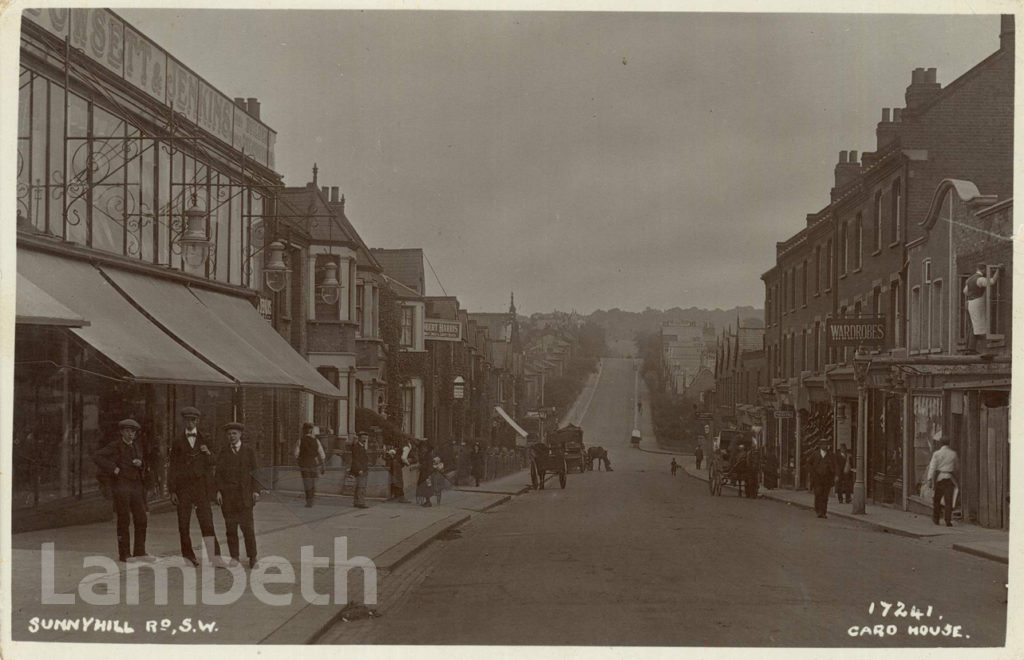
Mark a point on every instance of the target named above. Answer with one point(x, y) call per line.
point(266, 308)
point(216, 111)
point(705, 415)
point(442, 330)
point(783, 414)
point(250, 136)
point(145, 65)
point(853, 332)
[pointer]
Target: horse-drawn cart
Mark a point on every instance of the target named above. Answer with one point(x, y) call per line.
point(544, 459)
point(570, 439)
point(734, 461)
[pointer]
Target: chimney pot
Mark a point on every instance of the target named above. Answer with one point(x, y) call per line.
point(853, 157)
point(897, 114)
point(932, 75)
point(842, 156)
point(326, 191)
point(240, 102)
point(334, 193)
point(885, 115)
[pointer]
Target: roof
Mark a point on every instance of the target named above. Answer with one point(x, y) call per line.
point(495, 322)
point(306, 207)
point(364, 258)
point(400, 289)
point(404, 265)
point(750, 339)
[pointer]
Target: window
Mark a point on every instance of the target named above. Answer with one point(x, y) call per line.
point(792, 289)
point(360, 309)
point(878, 221)
point(964, 320)
point(896, 221)
point(817, 270)
point(408, 410)
point(803, 286)
point(325, 410)
point(817, 346)
point(407, 335)
point(935, 334)
point(876, 301)
point(844, 248)
point(997, 311)
point(915, 318)
point(828, 264)
point(858, 237)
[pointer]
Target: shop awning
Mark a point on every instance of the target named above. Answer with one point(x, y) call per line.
point(36, 307)
point(116, 328)
point(511, 422)
point(245, 321)
point(174, 308)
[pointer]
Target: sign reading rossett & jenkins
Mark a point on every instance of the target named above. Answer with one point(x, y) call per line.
point(442, 330)
point(845, 332)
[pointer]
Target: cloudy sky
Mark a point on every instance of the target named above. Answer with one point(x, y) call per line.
point(582, 160)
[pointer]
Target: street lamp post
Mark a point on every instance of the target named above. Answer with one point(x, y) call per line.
point(861, 365)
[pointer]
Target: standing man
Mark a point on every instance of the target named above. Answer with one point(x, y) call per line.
point(698, 453)
point(974, 291)
point(941, 476)
point(674, 466)
point(844, 474)
point(123, 464)
point(310, 456)
point(823, 473)
point(360, 468)
point(190, 480)
point(238, 491)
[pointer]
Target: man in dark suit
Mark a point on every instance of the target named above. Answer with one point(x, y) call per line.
point(823, 474)
point(123, 464)
point(360, 470)
point(190, 480)
point(238, 490)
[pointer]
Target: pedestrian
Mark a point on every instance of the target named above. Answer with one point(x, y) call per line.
point(698, 454)
point(437, 478)
point(359, 469)
point(190, 481)
point(771, 470)
point(238, 491)
point(125, 468)
point(941, 477)
point(410, 469)
point(844, 474)
point(309, 454)
point(477, 463)
point(823, 474)
point(675, 466)
point(424, 458)
point(977, 307)
point(394, 463)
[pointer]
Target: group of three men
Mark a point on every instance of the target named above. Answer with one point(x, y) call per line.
point(197, 474)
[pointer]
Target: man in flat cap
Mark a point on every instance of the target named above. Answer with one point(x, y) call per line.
point(238, 490)
point(190, 480)
point(124, 466)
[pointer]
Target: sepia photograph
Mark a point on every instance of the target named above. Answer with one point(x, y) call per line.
point(510, 329)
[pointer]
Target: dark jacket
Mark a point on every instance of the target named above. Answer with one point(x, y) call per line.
point(822, 469)
point(309, 452)
point(119, 455)
point(189, 466)
point(236, 476)
point(360, 460)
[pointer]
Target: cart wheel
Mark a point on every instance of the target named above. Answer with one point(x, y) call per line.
point(561, 479)
point(533, 475)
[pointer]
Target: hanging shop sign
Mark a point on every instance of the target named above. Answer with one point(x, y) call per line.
point(783, 414)
point(442, 330)
point(851, 332)
point(105, 38)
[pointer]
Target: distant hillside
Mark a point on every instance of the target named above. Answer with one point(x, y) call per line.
point(622, 326)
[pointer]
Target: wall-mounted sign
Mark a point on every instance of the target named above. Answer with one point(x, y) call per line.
point(705, 415)
point(442, 330)
point(105, 38)
point(857, 331)
point(266, 308)
point(783, 414)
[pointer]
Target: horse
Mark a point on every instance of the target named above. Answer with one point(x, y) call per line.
point(599, 454)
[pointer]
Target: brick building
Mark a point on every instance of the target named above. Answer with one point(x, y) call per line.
point(851, 264)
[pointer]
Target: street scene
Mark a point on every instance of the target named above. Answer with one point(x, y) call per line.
point(511, 329)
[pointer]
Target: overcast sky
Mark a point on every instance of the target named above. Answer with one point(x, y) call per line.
point(582, 160)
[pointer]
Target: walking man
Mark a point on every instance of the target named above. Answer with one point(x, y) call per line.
point(675, 466)
point(310, 456)
point(190, 481)
point(823, 473)
point(360, 468)
point(238, 491)
point(698, 454)
point(844, 474)
point(941, 476)
point(125, 467)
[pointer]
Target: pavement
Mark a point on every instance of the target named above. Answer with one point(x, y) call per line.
point(274, 603)
point(990, 544)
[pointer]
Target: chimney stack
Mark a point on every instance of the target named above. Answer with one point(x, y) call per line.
point(326, 191)
point(334, 193)
point(847, 169)
point(240, 103)
point(923, 88)
point(886, 131)
point(1006, 32)
point(253, 107)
